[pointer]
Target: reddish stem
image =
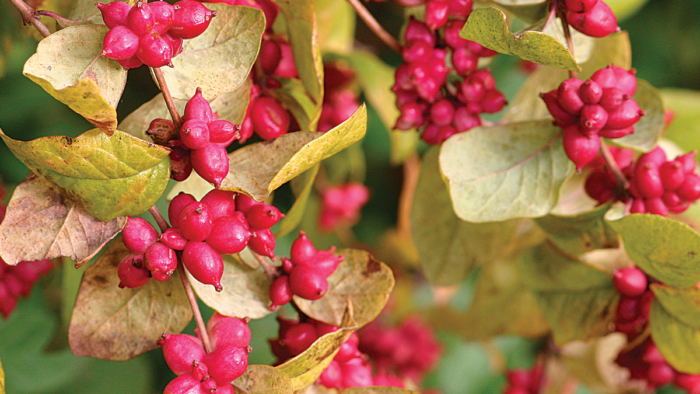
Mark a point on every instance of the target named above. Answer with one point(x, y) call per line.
point(270, 270)
point(29, 16)
point(59, 18)
point(612, 164)
point(375, 26)
point(569, 41)
point(169, 102)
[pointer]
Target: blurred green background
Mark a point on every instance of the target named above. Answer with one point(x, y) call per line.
point(665, 37)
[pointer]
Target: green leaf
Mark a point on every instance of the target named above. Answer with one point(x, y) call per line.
point(293, 96)
point(488, 27)
point(505, 172)
point(624, 9)
point(360, 280)
point(264, 379)
point(69, 67)
point(301, 22)
point(230, 106)
point(450, 247)
point(305, 368)
point(336, 26)
point(246, 291)
point(683, 304)
point(678, 342)
point(527, 105)
point(258, 169)
point(109, 177)
point(218, 60)
point(577, 299)
point(293, 217)
point(498, 289)
point(685, 128)
point(648, 131)
point(527, 12)
point(119, 324)
point(42, 224)
point(2, 379)
point(580, 233)
point(376, 79)
point(664, 248)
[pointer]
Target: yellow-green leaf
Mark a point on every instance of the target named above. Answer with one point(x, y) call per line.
point(529, 12)
point(336, 26)
point(450, 247)
point(2, 379)
point(648, 131)
point(218, 60)
point(292, 94)
point(683, 304)
point(305, 368)
point(69, 67)
point(360, 280)
point(119, 324)
point(260, 168)
point(580, 233)
point(505, 171)
point(109, 177)
point(246, 291)
point(264, 379)
point(42, 224)
point(488, 27)
point(678, 342)
point(664, 248)
point(293, 217)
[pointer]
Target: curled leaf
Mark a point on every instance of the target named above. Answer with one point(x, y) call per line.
point(263, 379)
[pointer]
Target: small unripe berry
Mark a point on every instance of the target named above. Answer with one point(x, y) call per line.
point(138, 235)
point(191, 19)
point(630, 282)
point(263, 242)
point(131, 272)
point(194, 134)
point(120, 43)
point(115, 13)
point(211, 163)
point(180, 351)
point(307, 282)
point(204, 263)
point(229, 235)
point(161, 261)
point(226, 363)
point(178, 202)
point(141, 19)
point(270, 119)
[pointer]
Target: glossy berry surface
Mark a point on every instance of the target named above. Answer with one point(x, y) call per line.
point(191, 19)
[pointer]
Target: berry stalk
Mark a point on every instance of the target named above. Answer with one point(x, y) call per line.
point(191, 297)
point(612, 164)
point(374, 25)
point(169, 102)
point(569, 41)
point(29, 16)
point(270, 270)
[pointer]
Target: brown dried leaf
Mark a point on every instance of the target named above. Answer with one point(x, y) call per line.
point(119, 324)
point(42, 224)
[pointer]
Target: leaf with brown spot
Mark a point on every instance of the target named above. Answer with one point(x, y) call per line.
point(359, 279)
point(42, 224)
point(260, 379)
point(305, 368)
point(119, 324)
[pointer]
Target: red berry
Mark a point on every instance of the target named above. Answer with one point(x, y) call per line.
point(578, 147)
point(657, 157)
point(461, 8)
point(204, 263)
point(417, 30)
point(180, 351)
point(436, 13)
point(638, 206)
point(175, 43)
point(191, 19)
point(613, 98)
point(229, 235)
point(605, 77)
point(223, 132)
point(630, 282)
point(176, 205)
point(690, 189)
point(163, 13)
point(286, 68)
point(131, 271)
point(661, 373)
point(648, 181)
point(672, 174)
point(593, 118)
point(615, 133)
point(262, 216)
point(451, 34)
point(132, 62)
point(688, 161)
point(561, 117)
point(298, 338)
point(280, 293)
point(198, 108)
point(262, 242)
point(194, 134)
point(195, 221)
point(568, 97)
point(627, 308)
point(120, 43)
point(229, 331)
point(270, 55)
point(173, 238)
point(211, 163)
point(115, 13)
point(161, 261)
point(626, 80)
point(221, 203)
point(627, 115)
point(464, 61)
point(325, 262)
point(493, 101)
point(270, 119)
point(138, 235)
point(411, 117)
point(472, 90)
point(332, 376)
point(154, 51)
point(580, 5)
point(226, 363)
point(590, 91)
point(417, 51)
point(141, 19)
point(302, 251)
point(307, 282)
point(464, 120)
point(184, 384)
point(245, 202)
point(599, 21)
point(356, 373)
point(518, 378)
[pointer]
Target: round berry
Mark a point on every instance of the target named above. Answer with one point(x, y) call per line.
point(173, 238)
point(194, 134)
point(131, 272)
point(229, 331)
point(161, 261)
point(115, 13)
point(154, 51)
point(211, 163)
point(307, 282)
point(630, 282)
point(138, 235)
point(568, 96)
point(300, 337)
point(191, 19)
point(262, 216)
point(204, 263)
point(229, 235)
point(141, 19)
point(263, 242)
point(270, 119)
point(221, 203)
point(120, 43)
point(163, 13)
point(195, 221)
point(180, 351)
point(176, 205)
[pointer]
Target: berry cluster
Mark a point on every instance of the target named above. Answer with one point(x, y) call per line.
point(591, 17)
point(202, 373)
point(444, 100)
point(656, 185)
point(340, 100)
point(410, 350)
point(633, 309)
point(151, 34)
point(524, 381)
point(340, 205)
point(304, 274)
point(599, 107)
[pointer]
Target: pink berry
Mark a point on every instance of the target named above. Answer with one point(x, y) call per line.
point(436, 13)
point(518, 378)
point(161, 261)
point(194, 134)
point(568, 97)
point(627, 115)
point(198, 108)
point(332, 376)
point(176, 205)
point(661, 373)
point(464, 61)
point(464, 120)
point(223, 132)
point(131, 271)
point(184, 384)
point(138, 235)
point(163, 13)
point(302, 251)
point(307, 282)
point(191, 19)
point(120, 43)
point(270, 119)
point(656, 157)
point(688, 161)
point(229, 331)
point(325, 262)
point(115, 13)
point(173, 238)
point(630, 282)
point(590, 91)
point(626, 80)
point(613, 98)
point(656, 206)
point(175, 43)
point(648, 181)
point(671, 199)
point(417, 51)
point(226, 363)
point(580, 5)
point(211, 163)
point(132, 62)
point(561, 117)
point(154, 51)
point(593, 118)
point(195, 221)
point(262, 242)
point(245, 202)
point(263, 216)
point(280, 293)
point(411, 117)
point(461, 8)
point(417, 30)
point(300, 337)
point(270, 55)
point(578, 147)
point(599, 21)
point(690, 189)
point(638, 206)
point(229, 235)
point(180, 351)
point(627, 308)
point(672, 174)
point(493, 101)
point(357, 373)
point(141, 19)
point(204, 263)
point(286, 67)
point(451, 34)
point(221, 203)
point(472, 90)
point(486, 78)
point(208, 385)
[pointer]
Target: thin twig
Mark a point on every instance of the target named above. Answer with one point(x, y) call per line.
point(195, 307)
point(59, 19)
point(374, 25)
point(162, 223)
point(270, 270)
point(169, 102)
point(612, 164)
point(411, 169)
point(569, 41)
point(29, 16)
point(552, 13)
